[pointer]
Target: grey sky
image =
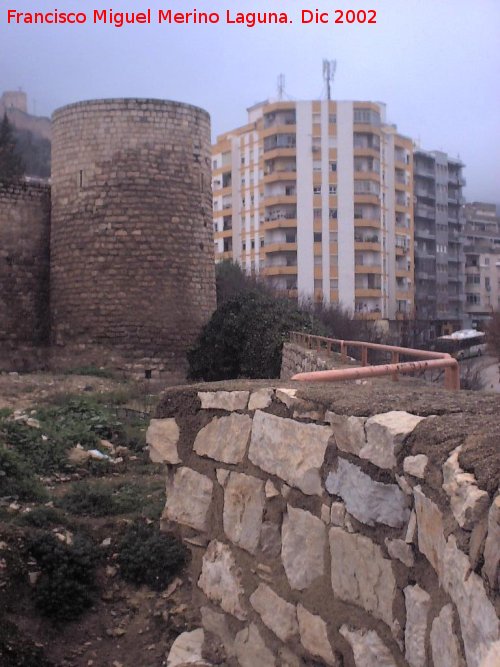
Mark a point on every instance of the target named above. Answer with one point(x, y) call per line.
point(435, 63)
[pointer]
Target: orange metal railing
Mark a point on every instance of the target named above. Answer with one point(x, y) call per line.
point(429, 360)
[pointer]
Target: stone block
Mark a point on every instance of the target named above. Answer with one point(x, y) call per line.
point(302, 565)
point(187, 649)
point(189, 496)
point(286, 396)
point(270, 539)
point(244, 502)
point(418, 603)
point(291, 450)
point(492, 546)
point(261, 399)
point(224, 439)
point(337, 514)
point(220, 579)
point(431, 541)
point(416, 465)
point(277, 614)
point(468, 502)
point(349, 432)
point(162, 437)
point(368, 501)
point(368, 649)
point(401, 550)
point(314, 636)
point(444, 643)
point(223, 400)
point(270, 490)
point(385, 434)
point(218, 625)
point(361, 575)
point(251, 650)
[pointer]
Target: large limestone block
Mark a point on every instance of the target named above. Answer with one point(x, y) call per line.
point(251, 650)
point(444, 643)
point(244, 502)
point(189, 496)
point(224, 438)
point(368, 649)
point(186, 649)
point(220, 579)
point(278, 614)
point(468, 502)
point(478, 620)
point(291, 450)
point(349, 432)
point(361, 575)
point(385, 434)
point(223, 400)
point(418, 603)
point(261, 399)
point(431, 541)
point(162, 437)
point(314, 636)
point(492, 658)
point(400, 550)
point(303, 547)
point(367, 500)
point(416, 465)
point(492, 546)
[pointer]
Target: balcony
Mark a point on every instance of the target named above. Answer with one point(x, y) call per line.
point(367, 245)
point(423, 211)
point(280, 270)
point(277, 199)
point(280, 175)
point(281, 246)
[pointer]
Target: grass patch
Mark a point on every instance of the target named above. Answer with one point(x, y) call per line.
point(95, 371)
point(17, 477)
point(97, 499)
point(42, 517)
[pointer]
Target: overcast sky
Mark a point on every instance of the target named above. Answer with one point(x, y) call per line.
point(435, 63)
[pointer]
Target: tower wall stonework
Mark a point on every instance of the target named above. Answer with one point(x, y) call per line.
point(24, 273)
point(132, 265)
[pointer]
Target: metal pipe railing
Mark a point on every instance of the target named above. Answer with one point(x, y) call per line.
point(431, 360)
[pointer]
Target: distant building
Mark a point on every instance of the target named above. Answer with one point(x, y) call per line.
point(439, 253)
point(482, 262)
point(317, 197)
point(15, 105)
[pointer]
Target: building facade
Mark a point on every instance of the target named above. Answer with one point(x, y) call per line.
point(439, 239)
point(316, 197)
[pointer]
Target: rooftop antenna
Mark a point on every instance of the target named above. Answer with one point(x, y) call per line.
point(329, 67)
point(281, 86)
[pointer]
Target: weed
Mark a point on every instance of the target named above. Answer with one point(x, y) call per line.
point(17, 478)
point(42, 517)
point(98, 499)
point(147, 556)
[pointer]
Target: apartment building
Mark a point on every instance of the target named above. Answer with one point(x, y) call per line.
point(317, 198)
point(439, 238)
point(482, 263)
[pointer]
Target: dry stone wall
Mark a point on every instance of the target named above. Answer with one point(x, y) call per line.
point(322, 535)
point(298, 359)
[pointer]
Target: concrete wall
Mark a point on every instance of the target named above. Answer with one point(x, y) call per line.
point(335, 525)
point(24, 266)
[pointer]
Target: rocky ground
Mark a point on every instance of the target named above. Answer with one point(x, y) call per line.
point(111, 485)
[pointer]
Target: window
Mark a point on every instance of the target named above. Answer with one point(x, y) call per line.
point(316, 118)
point(332, 213)
point(316, 165)
point(334, 283)
point(252, 244)
point(214, 164)
point(318, 284)
point(333, 166)
point(317, 237)
point(332, 118)
point(317, 260)
point(261, 242)
point(317, 189)
point(317, 214)
point(333, 237)
point(332, 189)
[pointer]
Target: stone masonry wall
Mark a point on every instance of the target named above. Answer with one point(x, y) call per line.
point(132, 264)
point(298, 359)
point(24, 270)
point(339, 525)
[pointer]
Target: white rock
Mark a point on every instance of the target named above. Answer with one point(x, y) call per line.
point(368, 649)
point(189, 497)
point(286, 396)
point(349, 432)
point(218, 625)
point(302, 565)
point(222, 474)
point(277, 614)
point(186, 649)
point(416, 465)
point(243, 507)
point(411, 529)
point(401, 550)
point(431, 541)
point(325, 513)
point(251, 649)
point(418, 603)
point(385, 434)
point(478, 620)
point(162, 437)
point(468, 502)
point(223, 400)
point(444, 643)
point(220, 579)
point(308, 410)
point(492, 546)
point(261, 399)
point(403, 485)
point(367, 500)
point(361, 575)
point(270, 490)
point(337, 514)
point(291, 450)
point(492, 658)
point(314, 636)
point(224, 438)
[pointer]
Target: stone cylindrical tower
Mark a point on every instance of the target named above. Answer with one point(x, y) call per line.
point(132, 259)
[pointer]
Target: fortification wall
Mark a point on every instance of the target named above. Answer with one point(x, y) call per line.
point(337, 525)
point(24, 273)
point(298, 359)
point(132, 266)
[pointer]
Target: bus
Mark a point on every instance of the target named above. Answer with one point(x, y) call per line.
point(462, 344)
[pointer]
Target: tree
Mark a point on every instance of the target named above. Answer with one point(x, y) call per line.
point(493, 332)
point(11, 164)
point(231, 280)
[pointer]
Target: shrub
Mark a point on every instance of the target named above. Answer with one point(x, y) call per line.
point(244, 338)
point(98, 499)
point(17, 478)
point(66, 586)
point(493, 333)
point(42, 517)
point(17, 650)
point(147, 556)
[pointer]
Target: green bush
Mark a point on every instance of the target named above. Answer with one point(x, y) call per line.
point(17, 650)
point(42, 517)
point(148, 556)
point(17, 477)
point(244, 338)
point(66, 587)
point(98, 499)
